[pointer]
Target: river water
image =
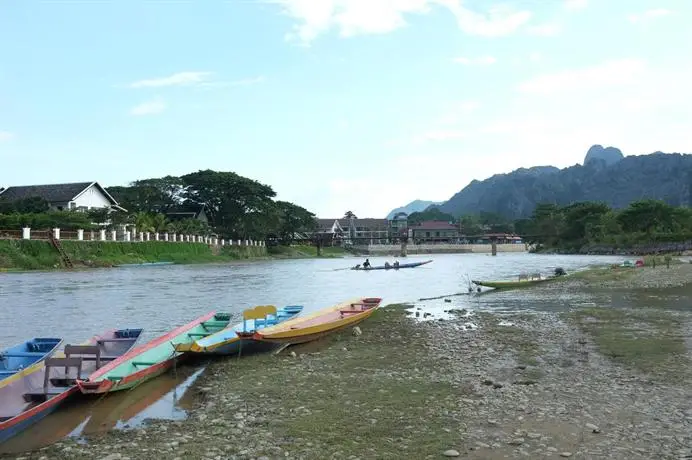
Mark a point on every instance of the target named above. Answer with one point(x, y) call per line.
point(76, 305)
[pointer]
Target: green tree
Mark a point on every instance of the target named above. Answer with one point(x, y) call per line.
point(582, 220)
point(237, 206)
point(293, 219)
point(647, 216)
point(433, 214)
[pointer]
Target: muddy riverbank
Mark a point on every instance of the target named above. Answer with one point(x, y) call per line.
point(587, 382)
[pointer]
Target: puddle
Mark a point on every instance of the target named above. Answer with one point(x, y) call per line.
point(441, 310)
point(165, 397)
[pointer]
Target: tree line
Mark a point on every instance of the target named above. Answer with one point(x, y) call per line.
point(237, 207)
point(576, 225)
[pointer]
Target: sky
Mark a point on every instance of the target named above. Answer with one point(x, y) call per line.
point(360, 105)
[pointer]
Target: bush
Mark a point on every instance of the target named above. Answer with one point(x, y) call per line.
point(66, 220)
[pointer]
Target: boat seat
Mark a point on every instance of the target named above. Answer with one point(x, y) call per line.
point(114, 340)
point(350, 311)
point(198, 334)
point(40, 397)
point(215, 323)
point(142, 363)
point(23, 354)
point(10, 372)
point(115, 378)
point(92, 352)
point(102, 358)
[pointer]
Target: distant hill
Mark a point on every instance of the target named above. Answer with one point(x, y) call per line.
point(606, 176)
point(414, 206)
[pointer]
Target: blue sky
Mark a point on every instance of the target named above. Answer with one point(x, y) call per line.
point(359, 105)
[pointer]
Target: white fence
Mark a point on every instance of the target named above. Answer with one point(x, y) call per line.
point(126, 236)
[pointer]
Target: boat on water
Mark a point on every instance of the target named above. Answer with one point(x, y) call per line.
point(313, 326)
point(153, 358)
point(27, 397)
point(392, 267)
point(146, 264)
point(238, 337)
point(26, 355)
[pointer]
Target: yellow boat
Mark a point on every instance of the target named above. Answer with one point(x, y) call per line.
point(311, 327)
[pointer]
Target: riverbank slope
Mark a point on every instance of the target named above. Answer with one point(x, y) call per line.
point(40, 255)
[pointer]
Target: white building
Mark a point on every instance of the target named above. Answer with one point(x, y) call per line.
point(80, 196)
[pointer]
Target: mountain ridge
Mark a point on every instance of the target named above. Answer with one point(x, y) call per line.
point(606, 175)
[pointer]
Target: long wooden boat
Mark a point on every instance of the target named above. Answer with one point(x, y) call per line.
point(26, 398)
point(512, 284)
point(238, 338)
point(152, 358)
point(307, 328)
point(26, 355)
point(392, 267)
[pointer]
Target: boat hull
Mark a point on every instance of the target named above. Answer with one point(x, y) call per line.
point(391, 267)
point(511, 284)
point(23, 358)
point(150, 359)
point(17, 412)
point(227, 342)
point(318, 324)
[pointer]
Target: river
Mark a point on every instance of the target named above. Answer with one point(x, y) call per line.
point(76, 305)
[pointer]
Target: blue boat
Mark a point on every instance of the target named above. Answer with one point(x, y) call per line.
point(26, 355)
point(238, 338)
point(35, 392)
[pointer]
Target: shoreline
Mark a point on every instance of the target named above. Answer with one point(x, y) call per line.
point(20, 256)
point(586, 382)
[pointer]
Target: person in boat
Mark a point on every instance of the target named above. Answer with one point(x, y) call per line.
point(366, 264)
point(386, 265)
point(396, 264)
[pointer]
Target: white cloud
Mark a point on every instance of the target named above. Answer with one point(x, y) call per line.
point(535, 56)
point(363, 17)
point(576, 4)
point(615, 72)
point(549, 29)
point(484, 60)
point(242, 82)
point(6, 136)
point(177, 79)
point(152, 107)
point(637, 18)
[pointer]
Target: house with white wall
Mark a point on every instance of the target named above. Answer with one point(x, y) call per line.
point(77, 196)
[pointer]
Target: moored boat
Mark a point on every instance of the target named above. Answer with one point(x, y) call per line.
point(26, 398)
point(26, 355)
point(238, 338)
point(313, 326)
point(392, 267)
point(512, 284)
point(153, 358)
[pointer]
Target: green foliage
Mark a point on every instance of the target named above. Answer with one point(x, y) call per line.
point(30, 205)
point(293, 219)
point(573, 226)
point(433, 214)
point(66, 220)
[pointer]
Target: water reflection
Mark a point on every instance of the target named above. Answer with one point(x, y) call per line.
point(166, 397)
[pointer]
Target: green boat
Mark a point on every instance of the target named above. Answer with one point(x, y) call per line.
point(153, 358)
point(512, 284)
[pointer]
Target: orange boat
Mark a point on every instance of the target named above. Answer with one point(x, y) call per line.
point(313, 326)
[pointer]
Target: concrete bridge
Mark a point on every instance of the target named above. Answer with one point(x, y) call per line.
point(440, 248)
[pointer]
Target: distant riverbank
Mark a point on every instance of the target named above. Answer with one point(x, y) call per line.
point(20, 255)
point(630, 250)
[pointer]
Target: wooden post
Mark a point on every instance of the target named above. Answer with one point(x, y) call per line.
point(493, 246)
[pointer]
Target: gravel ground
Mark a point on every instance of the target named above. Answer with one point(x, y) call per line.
point(524, 385)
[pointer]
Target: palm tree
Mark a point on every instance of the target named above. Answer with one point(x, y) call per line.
point(351, 224)
point(159, 222)
point(350, 215)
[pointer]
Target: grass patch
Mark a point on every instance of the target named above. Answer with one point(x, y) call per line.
point(40, 255)
point(597, 274)
point(375, 396)
point(648, 340)
point(521, 341)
